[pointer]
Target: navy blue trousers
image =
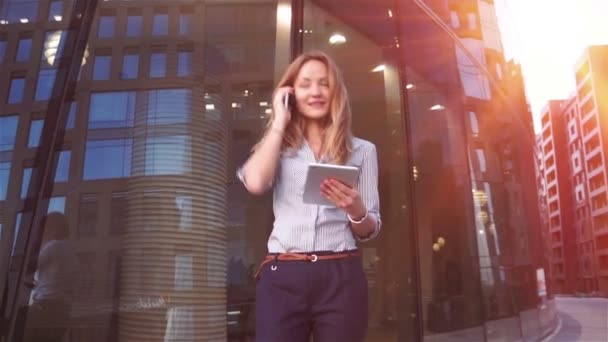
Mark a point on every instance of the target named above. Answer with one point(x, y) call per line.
point(326, 299)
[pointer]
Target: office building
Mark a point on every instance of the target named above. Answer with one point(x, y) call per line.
point(133, 122)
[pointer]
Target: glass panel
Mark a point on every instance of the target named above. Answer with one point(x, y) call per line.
point(166, 106)
point(54, 42)
point(8, 132)
point(35, 133)
point(158, 64)
point(44, 86)
point(5, 171)
point(114, 109)
point(184, 63)
point(56, 11)
point(185, 23)
point(19, 11)
point(107, 159)
point(134, 25)
point(130, 67)
point(106, 27)
point(63, 167)
point(71, 116)
point(15, 93)
point(102, 67)
point(160, 25)
point(3, 44)
point(168, 155)
point(374, 90)
point(57, 204)
point(25, 182)
point(24, 49)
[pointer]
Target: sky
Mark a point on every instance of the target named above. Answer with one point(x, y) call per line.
point(548, 37)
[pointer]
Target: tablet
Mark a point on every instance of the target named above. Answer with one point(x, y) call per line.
point(317, 173)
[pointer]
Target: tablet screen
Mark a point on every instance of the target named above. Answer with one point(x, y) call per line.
point(317, 173)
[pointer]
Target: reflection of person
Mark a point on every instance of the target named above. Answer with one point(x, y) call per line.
point(312, 281)
point(48, 315)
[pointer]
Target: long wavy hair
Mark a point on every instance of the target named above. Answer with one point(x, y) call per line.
point(337, 135)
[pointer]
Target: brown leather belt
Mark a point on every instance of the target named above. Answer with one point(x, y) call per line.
point(312, 257)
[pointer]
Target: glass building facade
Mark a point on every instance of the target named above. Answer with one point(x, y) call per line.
point(131, 117)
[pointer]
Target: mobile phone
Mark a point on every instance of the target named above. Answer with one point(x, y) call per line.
point(289, 101)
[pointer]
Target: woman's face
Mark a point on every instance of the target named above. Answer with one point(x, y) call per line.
point(312, 90)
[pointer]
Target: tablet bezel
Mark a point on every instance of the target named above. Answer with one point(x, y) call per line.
point(316, 173)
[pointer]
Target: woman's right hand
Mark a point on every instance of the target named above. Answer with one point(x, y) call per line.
point(282, 115)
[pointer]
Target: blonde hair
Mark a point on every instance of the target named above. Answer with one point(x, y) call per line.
point(337, 134)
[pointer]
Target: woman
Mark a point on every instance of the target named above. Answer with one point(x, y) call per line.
point(312, 281)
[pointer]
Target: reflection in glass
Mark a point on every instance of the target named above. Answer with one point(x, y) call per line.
point(130, 67)
point(21, 11)
point(112, 109)
point(57, 204)
point(101, 67)
point(134, 25)
point(54, 41)
point(185, 23)
point(56, 11)
point(25, 181)
point(107, 159)
point(158, 64)
point(15, 93)
point(160, 24)
point(168, 155)
point(8, 132)
point(169, 106)
point(5, 170)
point(184, 63)
point(106, 27)
point(2, 50)
point(44, 86)
point(24, 49)
point(35, 133)
point(63, 166)
point(71, 116)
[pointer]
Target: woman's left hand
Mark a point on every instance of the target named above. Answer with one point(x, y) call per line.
point(344, 197)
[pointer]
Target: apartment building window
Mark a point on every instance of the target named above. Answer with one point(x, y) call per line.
point(168, 155)
point(71, 116)
point(185, 23)
point(35, 132)
point(473, 123)
point(184, 63)
point(24, 49)
point(15, 92)
point(130, 66)
point(499, 71)
point(62, 172)
point(55, 40)
point(454, 19)
point(134, 25)
point(55, 11)
point(8, 132)
point(57, 204)
point(169, 106)
point(158, 64)
point(112, 110)
point(160, 24)
point(106, 26)
point(2, 50)
point(25, 181)
point(106, 159)
point(5, 170)
point(21, 11)
point(481, 159)
point(44, 86)
point(101, 67)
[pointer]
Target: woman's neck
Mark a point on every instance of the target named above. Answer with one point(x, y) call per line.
point(313, 133)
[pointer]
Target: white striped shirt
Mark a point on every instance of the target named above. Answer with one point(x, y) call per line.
point(300, 227)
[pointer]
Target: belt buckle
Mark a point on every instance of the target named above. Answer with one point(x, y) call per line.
point(314, 258)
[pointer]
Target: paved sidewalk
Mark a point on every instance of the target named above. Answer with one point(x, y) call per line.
point(583, 319)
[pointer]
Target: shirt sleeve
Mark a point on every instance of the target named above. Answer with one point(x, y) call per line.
point(240, 175)
point(368, 190)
